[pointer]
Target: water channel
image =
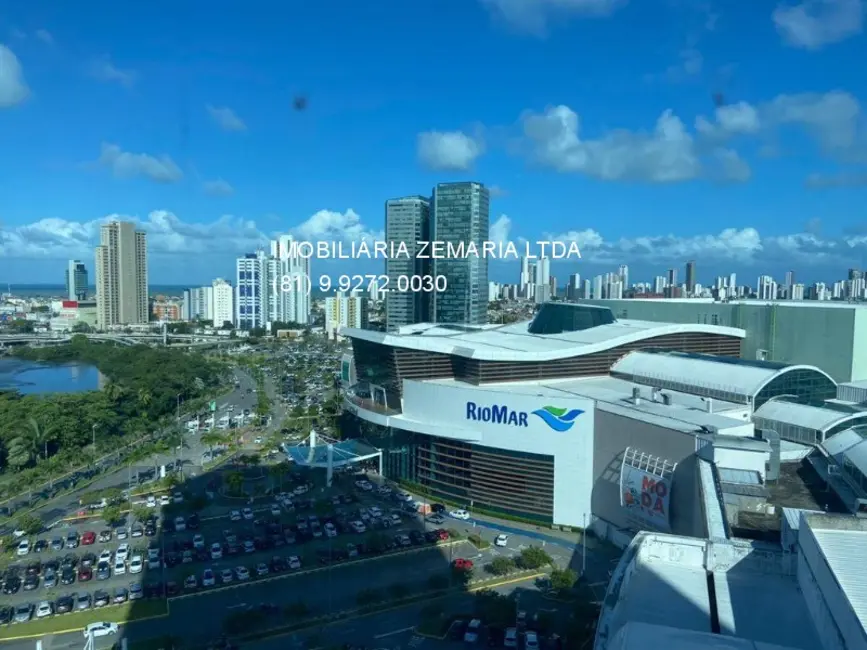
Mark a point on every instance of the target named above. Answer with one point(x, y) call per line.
point(31, 378)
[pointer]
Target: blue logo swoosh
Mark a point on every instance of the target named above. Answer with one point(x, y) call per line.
point(558, 423)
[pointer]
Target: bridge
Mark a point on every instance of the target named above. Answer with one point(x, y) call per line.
point(56, 338)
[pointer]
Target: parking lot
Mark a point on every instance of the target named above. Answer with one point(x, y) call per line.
point(86, 565)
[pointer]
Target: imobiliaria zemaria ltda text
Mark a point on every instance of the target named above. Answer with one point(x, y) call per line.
point(433, 250)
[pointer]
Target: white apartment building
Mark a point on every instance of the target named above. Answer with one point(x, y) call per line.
point(223, 302)
point(345, 311)
point(121, 275)
point(289, 299)
point(252, 291)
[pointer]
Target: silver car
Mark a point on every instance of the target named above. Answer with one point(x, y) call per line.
point(83, 602)
point(23, 613)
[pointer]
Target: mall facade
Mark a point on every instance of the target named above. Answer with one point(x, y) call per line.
point(538, 419)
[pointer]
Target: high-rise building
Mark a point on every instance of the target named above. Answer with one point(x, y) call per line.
point(623, 272)
point(461, 216)
point(690, 277)
point(252, 291)
point(345, 311)
point(289, 274)
point(407, 221)
point(198, 304)
point(223, 302)
point(573, 289)
point(121, 275)
point(76, 280)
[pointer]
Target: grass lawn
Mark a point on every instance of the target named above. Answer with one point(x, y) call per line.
point(120, 614)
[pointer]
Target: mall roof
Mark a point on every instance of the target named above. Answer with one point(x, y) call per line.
point(641, 636)
point(688, 371)
point(803, 415)
point(685, 412)
point(515, 343)
point(850, 445)
point(345, 452)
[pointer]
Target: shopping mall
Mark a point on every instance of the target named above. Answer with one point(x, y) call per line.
point(571, 417)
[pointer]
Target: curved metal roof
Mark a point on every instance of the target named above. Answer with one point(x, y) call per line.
point(734, 376)
point(803, 415)
point(516, 343)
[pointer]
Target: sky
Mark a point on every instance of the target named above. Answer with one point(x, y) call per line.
point(650, 132)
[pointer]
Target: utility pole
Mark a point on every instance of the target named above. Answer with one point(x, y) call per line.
point(93, 431)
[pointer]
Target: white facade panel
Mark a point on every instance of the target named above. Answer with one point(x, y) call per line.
point(517, 422)
point(741, 459)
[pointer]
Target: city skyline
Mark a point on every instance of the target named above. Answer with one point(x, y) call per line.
point(651, 156)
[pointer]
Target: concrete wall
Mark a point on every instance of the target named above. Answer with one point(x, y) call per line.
point(822, 336)
point(613, 434)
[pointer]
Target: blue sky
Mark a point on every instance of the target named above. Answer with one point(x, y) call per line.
point(649, 132)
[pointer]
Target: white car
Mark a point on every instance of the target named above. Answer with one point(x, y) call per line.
point(358, 527)
point(294, 562)
point(198, 541)
point(247, 513)
point(531, 640)
point(180, 524)
point(105, 556)
point(119, 567)
point(235, 515)
point(262, 569)
point(501, 540)
point(275, 510)
point(249, 546)
point(100, 629)
point(226, 576)
point(208, 578)
point(122, 552)
point(151, 502)
point(242, 573)
point(330, 530)
point(136, 564)
point(165, 500)
point(472, 633)
point(177, 497)
point(216, 551)
point(23, 547)
point(44, 609)
point(460, 514)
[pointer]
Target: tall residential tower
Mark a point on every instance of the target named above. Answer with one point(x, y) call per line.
point(407, 220)
point(121, 275)
point(461, 215)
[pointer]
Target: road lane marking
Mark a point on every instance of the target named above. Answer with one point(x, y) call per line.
point(392, 633)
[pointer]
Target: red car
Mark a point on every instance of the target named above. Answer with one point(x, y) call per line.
point(85, 573)
point(462, 564)
point(89, 537)
point(442, 535)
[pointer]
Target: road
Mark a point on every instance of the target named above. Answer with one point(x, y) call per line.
point(122, 477)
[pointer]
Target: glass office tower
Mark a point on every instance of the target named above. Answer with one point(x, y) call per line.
point(406, 220)
point(461, 214)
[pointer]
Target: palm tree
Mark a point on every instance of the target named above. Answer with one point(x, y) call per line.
point(36, 437)
point(234, 481)
point(212, 439)
point(145, 399)
point(113, 391)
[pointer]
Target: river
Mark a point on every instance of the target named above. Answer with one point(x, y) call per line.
point(32, 378)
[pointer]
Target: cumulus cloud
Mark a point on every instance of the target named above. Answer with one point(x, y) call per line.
point(667, 154)
point(123, 164)
point(225, 118)
point(827, 181)
point(448, 150)
point(218, 187)
point(105, 70)
point(812, 24)
point(329, 225)
point(535, 16)
point(45, 36)
point(834, 119)
point(499, 230)
point(13, 88)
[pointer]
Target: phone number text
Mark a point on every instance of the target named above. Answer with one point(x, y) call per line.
point(370, 283)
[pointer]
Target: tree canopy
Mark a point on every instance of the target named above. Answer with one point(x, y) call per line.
point(143, 386)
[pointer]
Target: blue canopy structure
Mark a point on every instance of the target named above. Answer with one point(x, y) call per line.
point(318, 451)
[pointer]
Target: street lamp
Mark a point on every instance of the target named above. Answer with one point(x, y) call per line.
point(179, 406)
point(93, 432)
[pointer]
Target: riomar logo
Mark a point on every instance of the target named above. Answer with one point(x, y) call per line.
point(557, 418)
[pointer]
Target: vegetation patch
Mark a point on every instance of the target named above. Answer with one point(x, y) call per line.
point(120, 614)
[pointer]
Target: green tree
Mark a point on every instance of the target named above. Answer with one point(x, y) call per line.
point(112, 515)
point(296, 610)
point(563, 580)
point(141, 513)
point(534, 557)
point(234, 482)
point(398, 591)
point(438, 581)
point(368, 597)
point(30, 524)
point(501, 566)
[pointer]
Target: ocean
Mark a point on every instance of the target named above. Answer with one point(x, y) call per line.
point(59, 290)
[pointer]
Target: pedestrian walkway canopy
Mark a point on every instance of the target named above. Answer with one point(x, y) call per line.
point(318, 451)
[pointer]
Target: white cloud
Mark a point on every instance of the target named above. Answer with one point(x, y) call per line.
point(45, 36)
point(218, 187)
point(13, 88)
point(534, 16)
point(668, 154)
point(448, 150)
point(167, 234)
point(845, 179)
point(812, 24)
point(105, 70)
point(226, 118)
point(160, 169)
point(500, 229)
point(329, 225)
point(834, 119)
